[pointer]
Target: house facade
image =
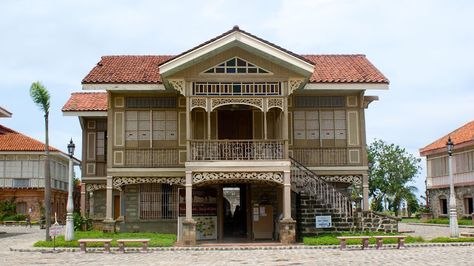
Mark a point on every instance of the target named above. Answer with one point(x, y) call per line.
point(437, 172)
point(234, 138)
point(22, 173)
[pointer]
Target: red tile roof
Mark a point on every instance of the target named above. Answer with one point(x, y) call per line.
point(344, 69)
point(460, 136)
point(11, 140)
point(127, 69)
point(86, 101)
point(145, 70)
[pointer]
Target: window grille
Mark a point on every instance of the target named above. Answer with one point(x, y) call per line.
point(158, 201)
point(319, 101)
point(151, 102)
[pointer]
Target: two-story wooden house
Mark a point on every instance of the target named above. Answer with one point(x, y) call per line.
point(22, 173)
point(169, 141)
point(437, 172)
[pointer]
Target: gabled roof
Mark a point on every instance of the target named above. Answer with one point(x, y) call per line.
point(127, 69)
point(86, 101)
point(344, 69)
point(11, 140)
point(460, 137)
point(148, 69)
point(4, 112)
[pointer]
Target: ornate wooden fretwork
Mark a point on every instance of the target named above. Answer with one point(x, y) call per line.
point(118, 182)
point(178, 84)
point(226, 177)
point(257, 102)
point(351, 179)
point(275, 102)
point(294, 84)
point(198, 102)
point(94, 187)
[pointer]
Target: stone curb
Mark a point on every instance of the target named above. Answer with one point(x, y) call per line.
point(442, 225)
point(238, 248)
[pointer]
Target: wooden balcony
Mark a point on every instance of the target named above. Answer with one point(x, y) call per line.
point(321, 156)
point(225, 150)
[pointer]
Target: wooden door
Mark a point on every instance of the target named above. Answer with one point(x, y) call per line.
point(116, 206)
point(235, 124)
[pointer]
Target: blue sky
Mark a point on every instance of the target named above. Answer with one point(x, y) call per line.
point(424, 47)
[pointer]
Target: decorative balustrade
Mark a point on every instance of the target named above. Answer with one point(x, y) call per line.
point(151, 158)
point(215, 150)
point(321, 156)
point(305, 180)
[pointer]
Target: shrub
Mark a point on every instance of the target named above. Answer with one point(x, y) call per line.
point(81, 223)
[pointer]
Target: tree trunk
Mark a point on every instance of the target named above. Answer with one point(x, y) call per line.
point(47, 180)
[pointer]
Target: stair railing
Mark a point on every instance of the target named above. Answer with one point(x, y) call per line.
point(304, 179)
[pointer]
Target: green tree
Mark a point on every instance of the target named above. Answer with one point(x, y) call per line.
point(41, 98)
point(390, 172)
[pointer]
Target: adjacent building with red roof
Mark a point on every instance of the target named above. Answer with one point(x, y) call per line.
point(437, 171)
point(22, 173)
point(167, 137)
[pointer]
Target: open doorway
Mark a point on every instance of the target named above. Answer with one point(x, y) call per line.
point(235, 214)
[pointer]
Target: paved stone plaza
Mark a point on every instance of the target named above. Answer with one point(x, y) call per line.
point(20, 237)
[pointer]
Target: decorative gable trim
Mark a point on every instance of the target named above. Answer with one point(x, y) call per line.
point(236, 36)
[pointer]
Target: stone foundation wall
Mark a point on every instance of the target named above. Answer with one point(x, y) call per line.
point(461, 192)
point(375, 222)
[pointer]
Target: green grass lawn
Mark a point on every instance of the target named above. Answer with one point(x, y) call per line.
point(156, 240)
point(331, 238)
point(437, 221)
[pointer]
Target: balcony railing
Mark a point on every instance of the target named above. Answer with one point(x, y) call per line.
point(31, 183)
point(321, 156)
point(215, 150)
point(151, 158)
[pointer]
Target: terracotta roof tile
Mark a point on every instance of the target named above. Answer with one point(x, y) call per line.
point(145, 70)
point(344, 69)
point(126, 69)
point(459, 136)
point(11, 140)
point(86, 101)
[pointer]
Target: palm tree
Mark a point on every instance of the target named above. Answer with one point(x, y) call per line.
point(41, 98)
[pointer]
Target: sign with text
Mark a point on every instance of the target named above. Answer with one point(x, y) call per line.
point(55, 230)
point(323, 221)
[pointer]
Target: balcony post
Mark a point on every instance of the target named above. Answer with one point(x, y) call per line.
point(287, 224)
point(189, 225)
point(109, 223)
point(188, 129)
point(365, 192)
point(285, 127)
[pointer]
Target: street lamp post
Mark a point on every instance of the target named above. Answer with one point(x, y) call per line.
point(453, 216)
point(69, 234)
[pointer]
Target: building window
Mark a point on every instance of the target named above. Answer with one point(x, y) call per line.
point(236, 65)
point(151, 125)
point(158, 201)
point(468, 205)
point(100, 143)
point(151, 102)
point(321, 124)
point(319, 101)
point(18, 182)
point(21, 208)
point(439, 166)
point(464, 162)
point(443, 205)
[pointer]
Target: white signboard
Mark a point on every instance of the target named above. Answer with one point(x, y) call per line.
point(323, 221)
point(55, 230)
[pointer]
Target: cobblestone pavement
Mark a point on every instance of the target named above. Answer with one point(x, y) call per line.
point(409, 256)
point(429, 232)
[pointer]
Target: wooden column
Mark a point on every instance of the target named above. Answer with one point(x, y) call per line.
point(189, 195)
point(286, 195)
point(109, 203)
point(284, 126)
point(365, 192)
point(188, 129)
point(83, 199)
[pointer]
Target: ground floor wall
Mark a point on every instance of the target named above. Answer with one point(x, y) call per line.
point(30, 202)
point(439, 201)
